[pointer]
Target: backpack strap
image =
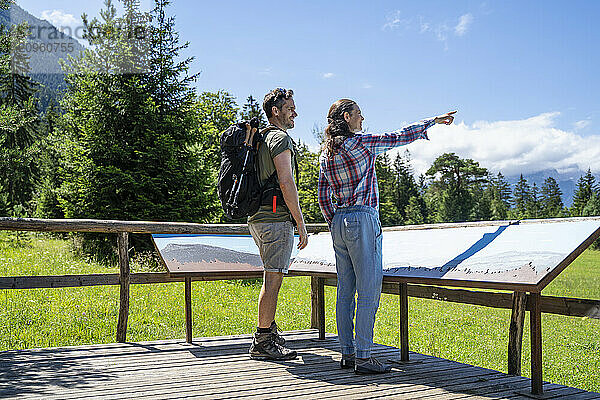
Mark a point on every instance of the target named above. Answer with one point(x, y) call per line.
point(270, 185)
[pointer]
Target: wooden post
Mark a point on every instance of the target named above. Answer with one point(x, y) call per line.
point(403, 293)
point(515, 335)
point(314, 303)
point(318, 305)
point(535, 315)
point(188, 309)
point(321, 307)
point(123, 248)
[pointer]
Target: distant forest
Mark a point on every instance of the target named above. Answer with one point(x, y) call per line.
point(116, 145)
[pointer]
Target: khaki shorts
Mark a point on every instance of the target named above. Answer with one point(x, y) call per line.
point(275, 241)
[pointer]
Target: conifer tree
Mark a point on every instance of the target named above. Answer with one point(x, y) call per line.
point(533, 205)
point(407, 187)
point(550, 198)
point(521, 197)
point(308, 176)
point(413, 212)
point(452, 181)
point(130, 134)
point(18, 118)
point(585, 190)
point(253, 109)
point(387, 184)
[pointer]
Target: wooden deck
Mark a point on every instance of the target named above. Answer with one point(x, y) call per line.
point(219, 368)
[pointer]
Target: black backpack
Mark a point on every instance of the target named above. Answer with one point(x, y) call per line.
point(239, 187)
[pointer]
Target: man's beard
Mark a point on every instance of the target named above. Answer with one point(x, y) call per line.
point(286, 123)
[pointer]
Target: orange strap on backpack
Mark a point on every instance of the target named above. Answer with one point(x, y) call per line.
point(274, 204)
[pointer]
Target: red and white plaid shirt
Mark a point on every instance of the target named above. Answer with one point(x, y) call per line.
point(349, 177)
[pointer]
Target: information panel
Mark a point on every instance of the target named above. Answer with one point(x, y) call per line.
point(519, 253)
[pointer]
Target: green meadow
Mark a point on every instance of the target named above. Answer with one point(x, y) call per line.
point(470, 334)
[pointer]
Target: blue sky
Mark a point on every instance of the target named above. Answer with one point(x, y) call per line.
point(523, 75)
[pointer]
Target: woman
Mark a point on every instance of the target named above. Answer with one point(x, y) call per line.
point(347, 175)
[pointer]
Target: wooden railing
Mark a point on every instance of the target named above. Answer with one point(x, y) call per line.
point(518, 302)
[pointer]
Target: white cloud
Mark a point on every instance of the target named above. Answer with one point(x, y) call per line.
point(367, 86)
point(512, 147)
point(584, 123)
point(464, 22)
point(424, 26)
point(328, 75)
point(59, 18)
point(266, 71)
point(394, 21)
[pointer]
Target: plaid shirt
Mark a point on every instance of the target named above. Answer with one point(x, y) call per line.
point(349, 178)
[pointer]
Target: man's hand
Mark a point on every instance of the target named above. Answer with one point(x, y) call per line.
point(446, 119)
point(303, 236)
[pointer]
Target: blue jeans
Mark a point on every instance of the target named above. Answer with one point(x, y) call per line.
point(356, 233)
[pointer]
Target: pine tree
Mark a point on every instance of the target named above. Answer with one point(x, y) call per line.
point(521, 197)
point(18, 118)
point(253, 109)
point(483, 195)
point(130, 136)
point(533, 205)
point(451, 190)
point(413, 212)
point(550, 198)
point(586, 187)
point(212, 113)
point(308, 168)
point(386, 181)
point(498, 192)
point(406, 186)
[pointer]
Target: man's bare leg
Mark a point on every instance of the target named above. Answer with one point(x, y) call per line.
point(267, 300)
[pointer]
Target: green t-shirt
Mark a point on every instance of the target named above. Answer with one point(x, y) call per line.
point(275, 142)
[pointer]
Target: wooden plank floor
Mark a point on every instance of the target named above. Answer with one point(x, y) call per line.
point(219, 368)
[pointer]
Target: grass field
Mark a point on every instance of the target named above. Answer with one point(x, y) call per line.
point(469, 334)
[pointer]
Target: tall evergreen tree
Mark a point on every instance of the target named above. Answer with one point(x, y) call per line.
point(387, 184)
point(406, 187)
point(131, 135)
point(533, 205)
point(521, 197)
point(498, 192)
point(482, 193)
point(414, 212)
point(18, 118)
point(585, 190)
point(212, 113)
point(253, 109)
point(452, 181)
point(308, 168)
point(550, 198)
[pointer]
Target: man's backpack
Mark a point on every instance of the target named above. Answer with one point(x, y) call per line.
point(240, 191)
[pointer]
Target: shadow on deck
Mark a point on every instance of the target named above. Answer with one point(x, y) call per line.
point(219, 368)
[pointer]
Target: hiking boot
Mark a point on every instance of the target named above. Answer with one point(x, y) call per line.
point(348, 361)
point(276, 336)
point(264, 347)
point(370, 366)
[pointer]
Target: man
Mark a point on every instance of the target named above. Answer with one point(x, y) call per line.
point(272, 227)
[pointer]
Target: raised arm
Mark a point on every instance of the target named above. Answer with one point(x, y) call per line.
point(378, 143)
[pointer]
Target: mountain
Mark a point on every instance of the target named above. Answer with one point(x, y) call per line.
point(566, 181)
point(196, 253)
point(46, 46)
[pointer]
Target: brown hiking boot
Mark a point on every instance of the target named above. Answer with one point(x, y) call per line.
point(264, 347)
point(276, 336)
